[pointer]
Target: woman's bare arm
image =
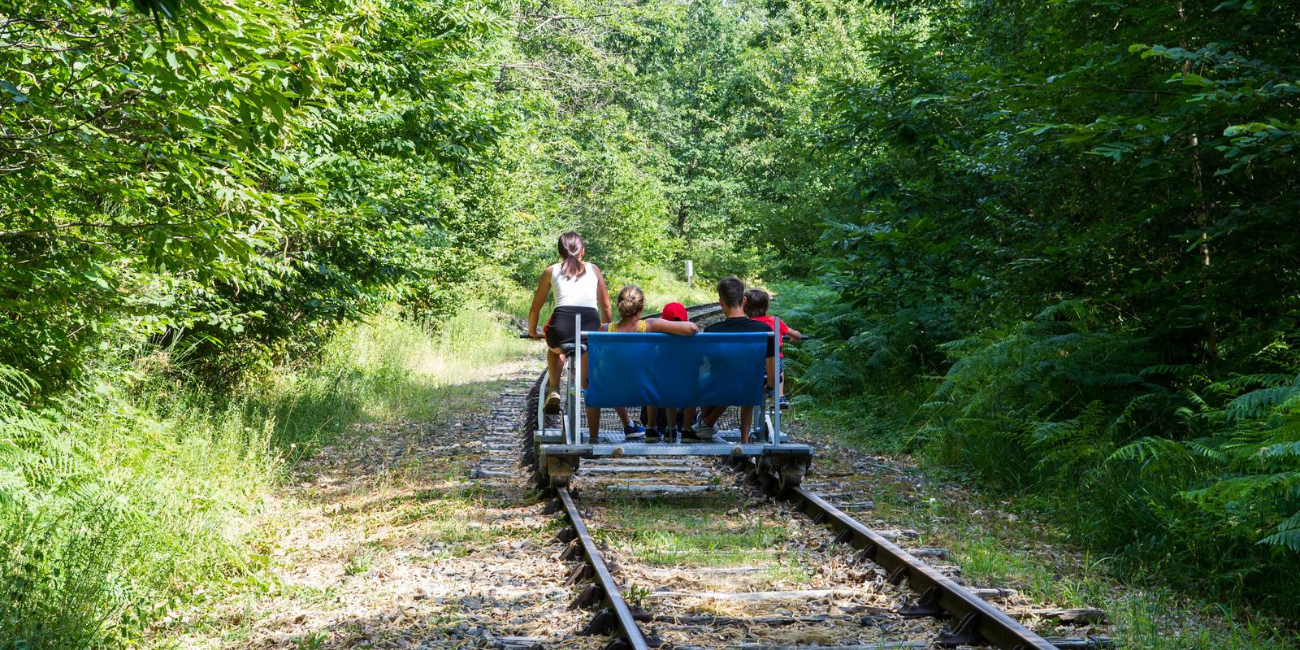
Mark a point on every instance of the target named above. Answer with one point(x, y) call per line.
point(539, 299)
point(602, 295)
point(680, 328)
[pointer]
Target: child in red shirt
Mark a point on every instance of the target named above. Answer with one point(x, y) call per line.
point(756, 301)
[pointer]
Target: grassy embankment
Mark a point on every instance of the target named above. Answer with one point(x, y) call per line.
point(138, 495)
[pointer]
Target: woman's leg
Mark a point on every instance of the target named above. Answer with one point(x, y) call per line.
point(593, 425)
point(746, 419)
point(622, 415)
point(554, 368)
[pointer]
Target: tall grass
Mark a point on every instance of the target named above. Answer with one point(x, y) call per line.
point(119, 501)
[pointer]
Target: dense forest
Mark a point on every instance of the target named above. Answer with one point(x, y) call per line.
point(1053, 245)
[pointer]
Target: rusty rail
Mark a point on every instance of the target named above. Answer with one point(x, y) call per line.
point(614, 616)
point(977, 621)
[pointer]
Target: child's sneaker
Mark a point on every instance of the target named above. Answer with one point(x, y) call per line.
point(552, 406)
point(634, 432)
point(785, 403)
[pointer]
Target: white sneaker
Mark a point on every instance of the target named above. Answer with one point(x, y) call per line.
point(706, 432)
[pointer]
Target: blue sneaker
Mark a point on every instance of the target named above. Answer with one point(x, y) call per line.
point(634, 432)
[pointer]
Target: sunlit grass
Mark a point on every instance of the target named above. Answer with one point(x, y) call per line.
point(693, 535)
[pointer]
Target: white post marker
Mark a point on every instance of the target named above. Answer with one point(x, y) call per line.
point(690, 272)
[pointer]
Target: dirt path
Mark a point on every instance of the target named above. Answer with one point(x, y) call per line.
point(385, 541)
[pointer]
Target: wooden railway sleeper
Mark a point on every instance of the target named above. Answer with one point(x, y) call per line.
point(603, 622)
point(580, 574)
point(566, 535)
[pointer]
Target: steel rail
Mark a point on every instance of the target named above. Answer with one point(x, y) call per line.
point(977, 620)
point(616, 617)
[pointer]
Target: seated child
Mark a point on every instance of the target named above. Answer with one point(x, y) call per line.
point(756, 302)
point(731, 296)
point(654, 416)
point(631, 302)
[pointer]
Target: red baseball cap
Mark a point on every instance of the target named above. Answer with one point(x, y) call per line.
point(674, 311)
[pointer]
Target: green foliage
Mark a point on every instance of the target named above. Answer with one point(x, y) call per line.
point(241, 179)
point(1057, 237)
point(1048, 242)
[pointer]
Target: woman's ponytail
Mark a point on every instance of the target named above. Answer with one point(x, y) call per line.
point(570, 247)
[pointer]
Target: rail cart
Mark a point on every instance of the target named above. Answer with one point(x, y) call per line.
point(632, 370)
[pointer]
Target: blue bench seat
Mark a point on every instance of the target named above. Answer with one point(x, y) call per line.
point(633, 369)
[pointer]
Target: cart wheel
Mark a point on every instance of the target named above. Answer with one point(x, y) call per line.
point(541, 481)
point(559, 470)
point(790, 475)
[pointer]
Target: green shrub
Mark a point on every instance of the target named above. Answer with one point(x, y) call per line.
point(118, 501)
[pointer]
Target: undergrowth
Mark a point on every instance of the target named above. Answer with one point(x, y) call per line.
point(127, 498)
point(1169, 467)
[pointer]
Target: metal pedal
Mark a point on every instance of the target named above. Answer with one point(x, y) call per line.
point(966, 633)
point(897, 576)
point(926, 606)
point(593, 594)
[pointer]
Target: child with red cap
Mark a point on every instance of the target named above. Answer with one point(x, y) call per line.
point(673, 311)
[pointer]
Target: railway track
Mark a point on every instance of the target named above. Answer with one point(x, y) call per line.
point(776, 570)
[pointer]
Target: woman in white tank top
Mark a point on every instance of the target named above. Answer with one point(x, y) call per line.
point(580, 297)
point(576, 292)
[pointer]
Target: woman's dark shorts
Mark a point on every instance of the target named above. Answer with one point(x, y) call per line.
point(560, 329)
